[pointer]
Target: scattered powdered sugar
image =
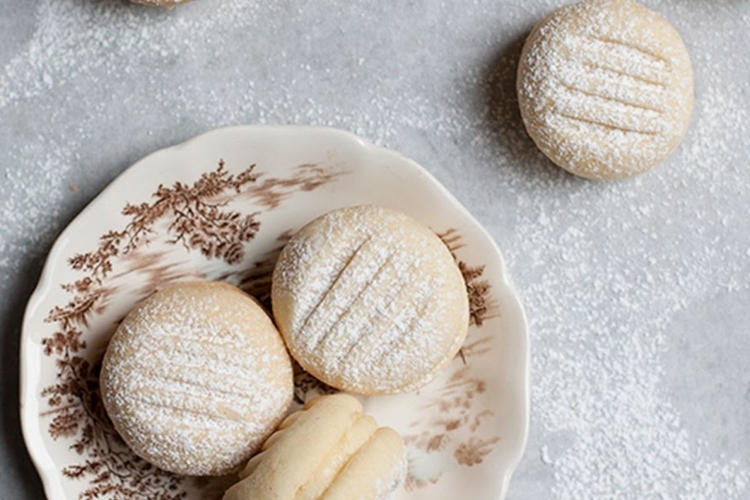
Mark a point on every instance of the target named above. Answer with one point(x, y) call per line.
point(618, 263)
point(602, 268)
point(161, 3)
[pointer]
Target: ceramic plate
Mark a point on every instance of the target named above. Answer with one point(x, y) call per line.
point(220, 207)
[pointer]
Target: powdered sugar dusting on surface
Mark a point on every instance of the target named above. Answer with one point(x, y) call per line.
point(620, 262)
point(603, 269)
point(161, 3)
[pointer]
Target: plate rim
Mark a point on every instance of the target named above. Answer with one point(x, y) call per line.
point(42, 460)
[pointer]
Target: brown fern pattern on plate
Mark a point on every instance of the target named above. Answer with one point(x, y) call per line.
point(456, 410)
point(482, 306)
point(197, 217)
point(256, 279)
point(454, 417)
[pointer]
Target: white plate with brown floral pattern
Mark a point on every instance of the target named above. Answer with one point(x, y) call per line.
point(220, 207)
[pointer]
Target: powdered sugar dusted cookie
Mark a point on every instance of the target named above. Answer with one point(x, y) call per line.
point(605, 88)
point(328, 450)
point(196, 377)
point(369, 300)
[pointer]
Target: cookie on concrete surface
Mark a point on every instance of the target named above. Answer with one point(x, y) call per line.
point(328, 450)
point(369, 300)
point(196, 377)
point(605, 88)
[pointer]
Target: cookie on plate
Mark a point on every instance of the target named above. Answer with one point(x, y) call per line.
point(369, 300)
point(605, 88)
point(196, 377)
point(328, 450)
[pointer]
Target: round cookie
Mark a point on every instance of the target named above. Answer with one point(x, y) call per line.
point(328, 450)
point(605, 88)
point(196, 377)
point(369, 300)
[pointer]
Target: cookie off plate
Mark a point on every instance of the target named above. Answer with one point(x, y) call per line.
point(220, 207)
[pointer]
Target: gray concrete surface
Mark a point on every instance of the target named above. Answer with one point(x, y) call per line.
point(637, 292)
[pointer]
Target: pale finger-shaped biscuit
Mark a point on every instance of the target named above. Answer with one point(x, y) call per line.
point(321, 452)
point(298, 450)
point(353, 440)
point(362, 477)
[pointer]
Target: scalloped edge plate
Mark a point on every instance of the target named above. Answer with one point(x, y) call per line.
point(220, 206)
